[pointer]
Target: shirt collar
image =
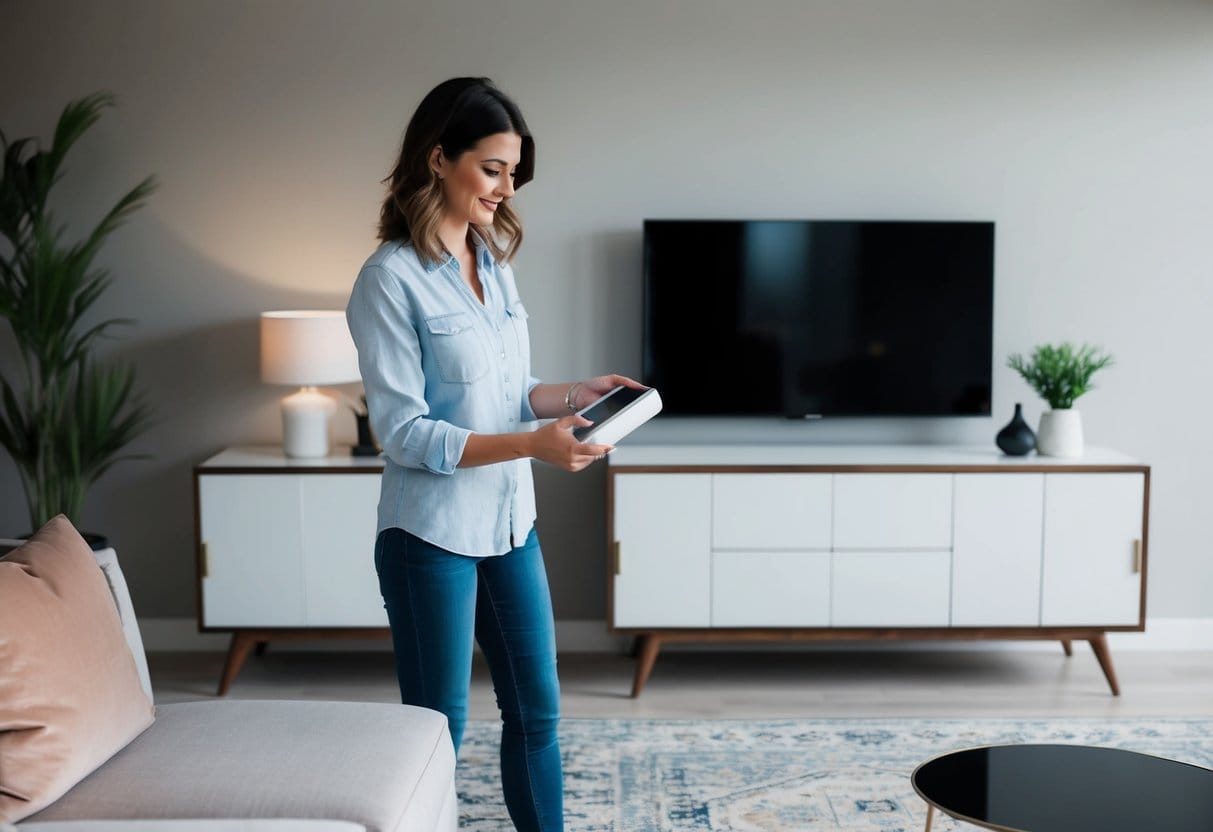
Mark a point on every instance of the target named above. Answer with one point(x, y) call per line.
point(484, 257)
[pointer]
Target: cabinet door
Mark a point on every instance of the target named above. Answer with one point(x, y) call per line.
point(662, 524)
point(250, 526)
point(770, 589)
point(890, 589)
point(339, 518)
point(996, 550)
point(1092, 526)
point(893, 511)
point(771, 511)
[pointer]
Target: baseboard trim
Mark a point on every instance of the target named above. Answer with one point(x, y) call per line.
point(591, 636)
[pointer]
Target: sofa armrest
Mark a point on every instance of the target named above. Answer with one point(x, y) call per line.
point(107, 560)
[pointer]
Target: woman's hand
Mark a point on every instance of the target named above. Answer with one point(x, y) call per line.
point(550, 401)
point(555, 444)
point(594, 388)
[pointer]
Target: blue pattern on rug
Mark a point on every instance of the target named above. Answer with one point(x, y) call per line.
point(762, 775)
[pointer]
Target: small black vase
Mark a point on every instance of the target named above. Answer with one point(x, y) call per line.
point(1016, 439)
point(367, 446)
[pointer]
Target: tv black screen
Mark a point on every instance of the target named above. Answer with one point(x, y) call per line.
point(804, 318)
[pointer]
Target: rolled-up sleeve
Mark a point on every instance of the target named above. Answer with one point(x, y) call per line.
point(528, 412)
point(389, 359)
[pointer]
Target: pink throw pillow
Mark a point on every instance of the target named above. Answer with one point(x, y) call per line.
point(70, 696)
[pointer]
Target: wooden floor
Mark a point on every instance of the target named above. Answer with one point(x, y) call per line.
point(702, 684)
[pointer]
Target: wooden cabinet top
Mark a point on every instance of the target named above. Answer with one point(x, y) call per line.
point(269, 459)
point(863, 457)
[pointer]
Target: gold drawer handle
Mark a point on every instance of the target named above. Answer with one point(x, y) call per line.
point(618, 561)
point(1137, 555)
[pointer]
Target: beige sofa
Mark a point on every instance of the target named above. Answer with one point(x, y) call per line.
point(262, 766)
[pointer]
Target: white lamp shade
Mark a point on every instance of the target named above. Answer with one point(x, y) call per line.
point(307, 348)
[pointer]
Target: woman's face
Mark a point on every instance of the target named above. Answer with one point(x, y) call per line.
point(476, 183)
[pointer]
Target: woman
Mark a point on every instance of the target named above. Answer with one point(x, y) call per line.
point(444, 353)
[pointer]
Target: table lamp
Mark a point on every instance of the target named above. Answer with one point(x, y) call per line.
point(307, 348)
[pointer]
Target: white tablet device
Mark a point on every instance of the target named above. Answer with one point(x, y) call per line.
point(617, 414)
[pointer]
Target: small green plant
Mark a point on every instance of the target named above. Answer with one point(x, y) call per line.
point(1061, 373)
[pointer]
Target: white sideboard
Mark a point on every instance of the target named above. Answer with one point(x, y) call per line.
point(753, 543)
point(285, 548)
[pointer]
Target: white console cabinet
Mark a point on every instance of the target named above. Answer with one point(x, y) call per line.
point(285, 548)
point(755, 543)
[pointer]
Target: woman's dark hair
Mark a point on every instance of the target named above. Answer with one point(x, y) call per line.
point(455, 114)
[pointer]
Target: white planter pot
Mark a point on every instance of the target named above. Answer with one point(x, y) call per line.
point(1060, 433)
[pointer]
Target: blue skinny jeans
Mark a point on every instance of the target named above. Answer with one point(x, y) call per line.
point(436, 602)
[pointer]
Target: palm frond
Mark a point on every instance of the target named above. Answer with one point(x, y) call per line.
point(75, 120)
point(132, 201)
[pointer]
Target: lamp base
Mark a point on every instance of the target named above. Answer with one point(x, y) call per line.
point(305, 424)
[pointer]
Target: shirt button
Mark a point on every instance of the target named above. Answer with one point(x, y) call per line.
point(503, 355)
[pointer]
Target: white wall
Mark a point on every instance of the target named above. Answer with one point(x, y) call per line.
point(1081, 128)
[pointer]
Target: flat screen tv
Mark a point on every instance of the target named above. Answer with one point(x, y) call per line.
point(809, 318)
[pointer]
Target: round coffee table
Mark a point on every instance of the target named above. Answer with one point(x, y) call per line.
point(1066, 788)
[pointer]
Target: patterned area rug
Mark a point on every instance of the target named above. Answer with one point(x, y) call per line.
point(743, 775)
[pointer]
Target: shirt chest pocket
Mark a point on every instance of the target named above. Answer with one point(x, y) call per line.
point(456, 347)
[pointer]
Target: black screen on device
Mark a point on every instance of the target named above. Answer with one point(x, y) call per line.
point(606, 408)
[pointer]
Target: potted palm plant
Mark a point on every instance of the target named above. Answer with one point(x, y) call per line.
point(69, 417)
point(1060, 374)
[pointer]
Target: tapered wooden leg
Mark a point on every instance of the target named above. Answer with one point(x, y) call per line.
point(237, 652)
point(1100, 645)
point(650, 645)
point(930, 816)
point(1067, 646)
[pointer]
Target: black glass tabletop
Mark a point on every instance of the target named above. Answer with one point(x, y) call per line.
point(1042, 788)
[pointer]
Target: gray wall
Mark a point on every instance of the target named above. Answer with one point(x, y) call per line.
point(1083, 128)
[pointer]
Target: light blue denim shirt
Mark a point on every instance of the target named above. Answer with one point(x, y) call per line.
point(437, 366)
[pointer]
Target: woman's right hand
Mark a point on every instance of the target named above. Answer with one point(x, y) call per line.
point(555, 444)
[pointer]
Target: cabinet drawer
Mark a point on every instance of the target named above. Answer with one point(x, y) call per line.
point(893, 511)
point(1093, 529)
point(770, 589)
point(662, 527)
point(771, 511)
point(890, 589)
point(338, 526)
point(250, 526)
point(996, 550)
